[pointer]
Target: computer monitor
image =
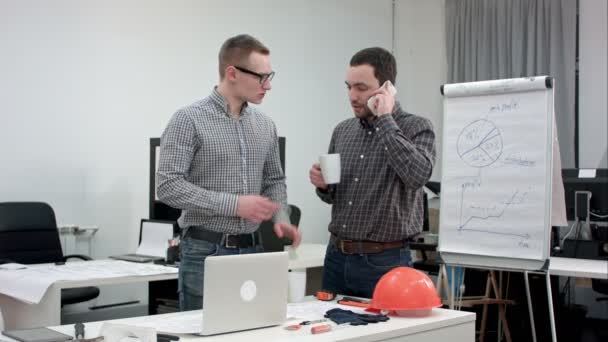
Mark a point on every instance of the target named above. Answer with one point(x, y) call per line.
point(580, 180)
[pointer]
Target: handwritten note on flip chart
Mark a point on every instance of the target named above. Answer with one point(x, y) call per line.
point(496, 176)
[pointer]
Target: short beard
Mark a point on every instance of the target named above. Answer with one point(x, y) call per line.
point(368, 115)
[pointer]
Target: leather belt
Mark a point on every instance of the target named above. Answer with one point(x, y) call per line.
point(223, 239)
point(365, 247)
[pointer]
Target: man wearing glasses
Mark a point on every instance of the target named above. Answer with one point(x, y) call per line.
point(219, 163)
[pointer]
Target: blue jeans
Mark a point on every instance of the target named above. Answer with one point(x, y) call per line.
point(357, 274)
point(192, 268)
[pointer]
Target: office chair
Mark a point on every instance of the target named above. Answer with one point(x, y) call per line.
point(600, 234)
point(29, 235)
point(426, 265)
point(435, 187)
point(270, 241)
point(600, 286)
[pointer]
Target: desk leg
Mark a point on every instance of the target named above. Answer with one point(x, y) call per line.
point(163, 290)
point(20, 315)
point(314, 280)
point(551, 315)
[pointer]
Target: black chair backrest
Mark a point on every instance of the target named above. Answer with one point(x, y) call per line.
point(425, 212)
point(600, 286)
point(294, 214)
point(270, 241)
point(28, 233)
point(600, 234)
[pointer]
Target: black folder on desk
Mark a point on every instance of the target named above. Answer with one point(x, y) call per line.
point(136, 257)
point(37, 335)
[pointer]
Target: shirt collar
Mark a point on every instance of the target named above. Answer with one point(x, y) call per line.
point(221, 101)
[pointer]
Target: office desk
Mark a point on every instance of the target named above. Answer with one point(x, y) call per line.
point(307, 255)
point(581, 268)
point(442, 325)
point(47, 312)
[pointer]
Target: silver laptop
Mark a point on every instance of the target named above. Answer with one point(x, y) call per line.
point(153, 241)
point(245, 291)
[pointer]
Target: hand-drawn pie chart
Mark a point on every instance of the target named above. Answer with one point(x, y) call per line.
point(480, 143)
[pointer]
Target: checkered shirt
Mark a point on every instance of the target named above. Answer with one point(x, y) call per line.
point(208, 158)
point(384, 166)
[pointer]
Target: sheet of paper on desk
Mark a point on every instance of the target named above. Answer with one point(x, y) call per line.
point(314, 309)
point(29, 285)
point(187, 322)
point(587, 173)
point(12, 266)
point(155, 238)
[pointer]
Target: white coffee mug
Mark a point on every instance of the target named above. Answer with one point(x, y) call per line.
point(330, 167)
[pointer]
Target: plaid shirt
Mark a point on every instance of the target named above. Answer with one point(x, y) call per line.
point(208, 158)
point(384, 166)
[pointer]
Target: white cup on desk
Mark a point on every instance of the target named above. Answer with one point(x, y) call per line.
point(297, 285)
point(330, 167)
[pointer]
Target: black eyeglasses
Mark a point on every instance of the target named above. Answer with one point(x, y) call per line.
point(263, 77)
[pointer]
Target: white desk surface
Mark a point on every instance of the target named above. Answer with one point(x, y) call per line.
point(307, 255)
point(22, 315)
point(18, 283)
point(442, 325)
point(18, 314)
point(582, 268)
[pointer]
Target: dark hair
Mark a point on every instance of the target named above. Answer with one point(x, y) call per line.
point(237, 49)
point(383, 62)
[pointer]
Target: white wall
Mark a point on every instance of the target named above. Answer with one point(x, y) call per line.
point(85, 84)
point(593, 84)
point(422, 62)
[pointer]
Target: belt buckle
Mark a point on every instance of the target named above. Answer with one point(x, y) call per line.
point(341, 246)
point(227, 242)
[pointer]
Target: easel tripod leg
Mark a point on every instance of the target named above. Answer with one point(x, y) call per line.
point(446, 286)
point(529, 297)
point(551, 315)
point(484, 314)
point(502, 312)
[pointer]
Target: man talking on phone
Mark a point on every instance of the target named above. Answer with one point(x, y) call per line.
point(387, 155)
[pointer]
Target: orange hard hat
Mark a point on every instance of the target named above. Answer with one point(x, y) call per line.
point(405, 291)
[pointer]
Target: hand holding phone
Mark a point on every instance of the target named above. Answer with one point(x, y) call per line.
point(378, 103)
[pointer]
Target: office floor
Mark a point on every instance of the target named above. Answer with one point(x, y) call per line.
point(595, 330)
point(573, 321)
point(571, 326)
